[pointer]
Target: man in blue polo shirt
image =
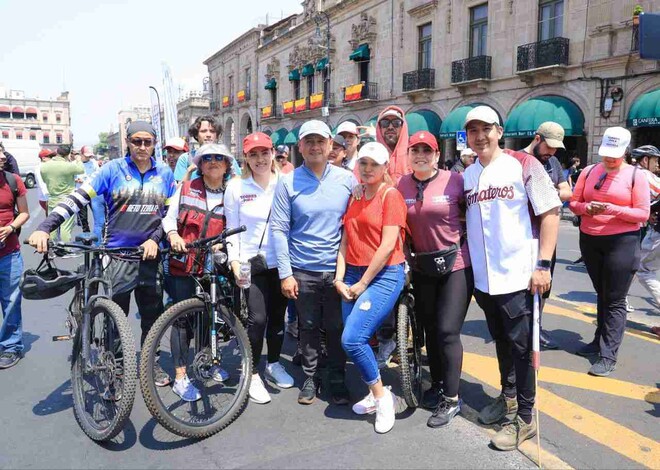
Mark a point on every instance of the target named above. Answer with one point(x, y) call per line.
point(306, 227)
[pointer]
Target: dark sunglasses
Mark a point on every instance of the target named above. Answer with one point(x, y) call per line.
point(140, 142)
point(210, 158)
point(601, 181)
point(280, 157)
point(421, 186)
point(385, 123)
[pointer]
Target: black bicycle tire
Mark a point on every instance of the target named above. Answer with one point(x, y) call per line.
point(149, 391)
point(410, 385)
point(125, 404)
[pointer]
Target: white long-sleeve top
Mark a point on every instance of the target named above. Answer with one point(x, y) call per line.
point(246, 203)
point(212, 202)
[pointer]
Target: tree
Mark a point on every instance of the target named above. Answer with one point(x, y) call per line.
point(102, 147)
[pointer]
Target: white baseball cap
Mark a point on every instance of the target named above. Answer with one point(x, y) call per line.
point(615, 142)
point(376, 151)
point(314, 127)
point(467, 151)
point(482, 113)
point(347, 126)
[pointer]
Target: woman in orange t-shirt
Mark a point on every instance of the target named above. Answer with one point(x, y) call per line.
point(370, 274)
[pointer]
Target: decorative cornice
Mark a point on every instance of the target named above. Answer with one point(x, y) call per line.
point(273, 69)
point(364, 31)
point(424, 9)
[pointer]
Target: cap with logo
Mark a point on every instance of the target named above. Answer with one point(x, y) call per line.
point(213, 149)
point(87, 151)
point(339, 140)
point(176, 143)
point(553, 134)
point(376, 151)
point(256, 140)
point(482, 113)
point(281, 150)
point(314, 127)
point(615, 142)
point(423, 137)
point(347, 126)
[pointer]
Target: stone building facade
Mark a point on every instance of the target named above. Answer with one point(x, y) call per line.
point(45, 120)
point(573, 61)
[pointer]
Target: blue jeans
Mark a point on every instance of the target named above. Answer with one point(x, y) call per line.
point(365, 315)
point(11, 333)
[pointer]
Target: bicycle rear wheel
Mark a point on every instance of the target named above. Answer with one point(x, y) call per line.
point(409, 348)
point(104, 385)
point(182, 336)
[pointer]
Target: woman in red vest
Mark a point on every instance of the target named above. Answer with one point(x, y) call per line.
point(196, 211)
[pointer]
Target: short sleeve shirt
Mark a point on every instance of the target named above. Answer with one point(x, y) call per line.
point(364, 221)
point(7, 204)
point(555, 171)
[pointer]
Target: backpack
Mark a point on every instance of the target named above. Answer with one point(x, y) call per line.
point(11, 181)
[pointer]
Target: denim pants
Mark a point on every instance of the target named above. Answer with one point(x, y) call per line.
point(11, 333)
point(365, 315)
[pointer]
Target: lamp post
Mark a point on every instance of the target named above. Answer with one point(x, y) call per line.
point(160, 121)
point(320, 16)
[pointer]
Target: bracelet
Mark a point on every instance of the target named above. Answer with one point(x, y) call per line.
point(13, 229)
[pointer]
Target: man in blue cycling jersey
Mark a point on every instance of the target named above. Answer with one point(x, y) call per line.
point(136, 191)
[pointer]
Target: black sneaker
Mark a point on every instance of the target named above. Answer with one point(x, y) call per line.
point(546, 341)
point(308, 391)
point(431, 397)
point(444, 412)
point(603, 367)
point(591, 349)
point(339, 394)
point(9, 359)
point(161, 378)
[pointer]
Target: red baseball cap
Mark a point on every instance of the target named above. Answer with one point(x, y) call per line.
point(257, 139)
point(423, 137)
point(45, 153)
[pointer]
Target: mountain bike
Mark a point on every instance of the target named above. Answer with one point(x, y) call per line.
point(409, 343)
point(103, 359)
point(200, 334)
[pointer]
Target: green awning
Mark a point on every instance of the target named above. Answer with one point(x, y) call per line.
point(454, 121)
point(292, 137)
point(294, 75)
point(645, 111)
point(308, 70)
point(361, 53)
point(526, 117)
point(371, 122)
point(423, 120)
point(278, 136)
point(271, 84)
point(320, 65)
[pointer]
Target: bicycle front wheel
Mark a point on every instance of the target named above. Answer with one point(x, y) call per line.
point(104, 383)
point(216, 384)
point(409, 348)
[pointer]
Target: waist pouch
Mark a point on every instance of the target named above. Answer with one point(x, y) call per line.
point(258, 264)
point(436, 263)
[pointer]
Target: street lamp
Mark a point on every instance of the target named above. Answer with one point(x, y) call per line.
point(160, 121)
point(318, 18)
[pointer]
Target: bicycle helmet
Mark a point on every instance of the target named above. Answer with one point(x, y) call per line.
point(47, 281)
point(646, 151)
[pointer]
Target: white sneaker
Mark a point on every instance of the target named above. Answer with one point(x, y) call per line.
point(385, 413)
point(385, 350)
point(276, 373)
point(186, 390)
point(367, 405)
point(258, 392)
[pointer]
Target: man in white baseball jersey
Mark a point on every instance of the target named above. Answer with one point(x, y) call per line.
point(512, 222)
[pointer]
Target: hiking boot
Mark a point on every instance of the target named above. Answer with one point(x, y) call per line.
point(186, 390)
point(9, 359)
point(339, 394)
point(308, 391)
point(602, 367)
point(385, 413)
point(161, 378)
point(444, 412)
point(513, 434)
point(502, 407)
point(591, 349)
point(431, 397)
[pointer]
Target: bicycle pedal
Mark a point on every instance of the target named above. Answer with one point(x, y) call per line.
point(62, 338)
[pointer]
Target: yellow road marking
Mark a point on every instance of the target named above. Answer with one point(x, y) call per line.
point(620, 439)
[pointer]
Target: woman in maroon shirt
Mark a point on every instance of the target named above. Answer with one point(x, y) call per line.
point(442, 276)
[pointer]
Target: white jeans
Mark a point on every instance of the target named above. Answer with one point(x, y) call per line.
point(650, 264)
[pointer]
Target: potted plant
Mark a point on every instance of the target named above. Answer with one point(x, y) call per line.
point(638, 10)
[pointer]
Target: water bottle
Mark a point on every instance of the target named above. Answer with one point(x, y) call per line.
point(245, 275)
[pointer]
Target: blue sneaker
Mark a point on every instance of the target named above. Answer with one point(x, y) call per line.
point(186, 390)
point(218, 374)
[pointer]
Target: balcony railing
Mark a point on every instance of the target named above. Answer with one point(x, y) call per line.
point(360, 92)
point(472, 68)
point(422, 79)
point(543, 54)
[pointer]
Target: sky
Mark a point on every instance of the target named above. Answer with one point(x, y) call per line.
point(106, 54)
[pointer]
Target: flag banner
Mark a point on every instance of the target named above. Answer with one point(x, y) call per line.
point(316, 101)
point(155, 122)
point(170, 98)
point(266, 111)
point(353, 92)
point(241, 96)
point(301, 104)
point(287, 107)
point(225, 101)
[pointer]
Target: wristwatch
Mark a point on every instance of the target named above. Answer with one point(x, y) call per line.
point(543, 265)
point(13, 229)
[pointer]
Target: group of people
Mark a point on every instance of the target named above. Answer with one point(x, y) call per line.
point(335, 235)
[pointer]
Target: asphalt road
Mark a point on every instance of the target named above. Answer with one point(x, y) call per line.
point(585, 422)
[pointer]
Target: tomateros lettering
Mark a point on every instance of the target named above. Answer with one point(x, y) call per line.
point(492, 192)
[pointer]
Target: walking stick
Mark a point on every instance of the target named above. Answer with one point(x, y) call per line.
point(536, 363)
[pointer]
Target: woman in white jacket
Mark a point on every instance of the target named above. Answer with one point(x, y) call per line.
point(248, 201)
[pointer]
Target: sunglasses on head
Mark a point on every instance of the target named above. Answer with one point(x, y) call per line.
point(210, 158)
point(140, 142)
point(601, 181)
point(385, 123)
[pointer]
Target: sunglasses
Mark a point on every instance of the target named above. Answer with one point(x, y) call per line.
point(141, 142)
point(385, 123)
point(421, 186)
point(601, 181)
point(210, 158)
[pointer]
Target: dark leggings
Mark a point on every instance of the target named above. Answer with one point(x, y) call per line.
point(611, 262)
point(442, 305)
point(266, 308)
point(183, 288)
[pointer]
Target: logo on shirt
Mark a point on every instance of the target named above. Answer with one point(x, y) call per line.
point(489, 194)
point(156, 179)
point(410, 202)
point(150, 209)
point(247, 198)
point(129, 177)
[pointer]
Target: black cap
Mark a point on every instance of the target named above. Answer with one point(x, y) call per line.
point(281, 150)
point(339, 140)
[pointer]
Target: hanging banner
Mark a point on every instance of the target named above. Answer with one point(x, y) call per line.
point(170, 98)
point(155, 121)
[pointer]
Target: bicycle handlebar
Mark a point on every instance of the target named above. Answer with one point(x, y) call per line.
point(82, 247)
point(212, 240)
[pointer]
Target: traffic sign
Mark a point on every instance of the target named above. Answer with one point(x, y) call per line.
point(461, 140)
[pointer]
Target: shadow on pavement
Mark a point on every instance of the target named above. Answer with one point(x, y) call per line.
point(28, 340)
point(155, 437)
point(58, 400)
point(477, 329)
point(579, 296)
point(567, 340)
point(124, 441)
